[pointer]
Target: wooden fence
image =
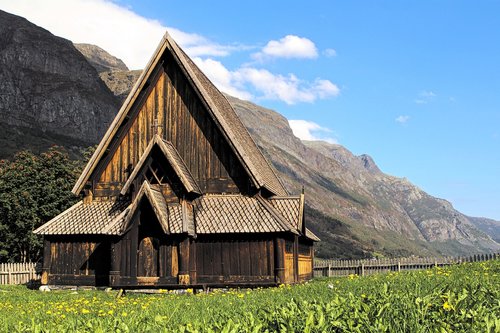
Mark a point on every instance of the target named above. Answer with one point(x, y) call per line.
point(328, 267)
point(18, 273)
point(21, 273)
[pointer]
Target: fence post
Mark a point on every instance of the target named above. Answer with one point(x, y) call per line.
point(399, 266)
point(329, 268)
point(362, 269)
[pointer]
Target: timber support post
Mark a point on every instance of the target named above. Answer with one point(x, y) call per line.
point(192, 261)
point(279, 254)
point(114, 273)
point(46, 261)
point(184, 261)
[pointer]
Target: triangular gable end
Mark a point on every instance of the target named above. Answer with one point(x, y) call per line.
point(175, 161)
point(238, 138)
point(156, 200)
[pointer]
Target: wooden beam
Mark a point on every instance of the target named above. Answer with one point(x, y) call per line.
point(279, 257)
point(46, 261)
point(184, 261)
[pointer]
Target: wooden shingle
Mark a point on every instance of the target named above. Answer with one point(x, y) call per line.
point(95, 218)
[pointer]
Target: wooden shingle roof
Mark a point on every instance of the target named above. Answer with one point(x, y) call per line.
point(157, 201)
point(309, 234)
point(208, 214)
point(236, 214)
point(97, 217)
point(259, 170)
point(289, 207)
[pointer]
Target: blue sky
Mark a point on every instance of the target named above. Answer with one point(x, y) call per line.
point(416, 85)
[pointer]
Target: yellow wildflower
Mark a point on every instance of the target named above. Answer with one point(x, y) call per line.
point(447, 306)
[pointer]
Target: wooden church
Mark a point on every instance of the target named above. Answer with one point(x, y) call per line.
point(178, 194)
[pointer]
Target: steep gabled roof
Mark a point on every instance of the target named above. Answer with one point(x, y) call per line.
point(173, 158)
point(157, 201)
point(174, 219)
point(221, 111)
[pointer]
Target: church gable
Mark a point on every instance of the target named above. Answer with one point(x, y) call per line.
point(173, 111)
point(175, 100)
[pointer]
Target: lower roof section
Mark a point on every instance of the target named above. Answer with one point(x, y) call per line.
point(96, 218)
point(211, 214)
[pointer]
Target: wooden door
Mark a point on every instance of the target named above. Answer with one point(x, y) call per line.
point(147, 257)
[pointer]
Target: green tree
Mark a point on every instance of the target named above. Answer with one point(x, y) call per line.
point(33, 190)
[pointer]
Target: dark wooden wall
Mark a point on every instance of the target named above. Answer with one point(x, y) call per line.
point(186, 123)
point(77, 261)
point(234, 258)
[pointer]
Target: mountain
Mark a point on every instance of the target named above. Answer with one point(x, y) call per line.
point(488, 226)
point(372, 211)
point(50, 94)
point(101, 60)
point(113, 71)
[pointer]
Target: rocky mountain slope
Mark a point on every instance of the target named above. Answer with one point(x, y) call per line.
point(488, 226)
point(113, 71)
point(101, 60)
point(376, 212)
point(49, 93)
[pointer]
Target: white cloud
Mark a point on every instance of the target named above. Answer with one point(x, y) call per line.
point(402, 119)
point(427, 94)
point(116, 29)
point(224, 79)
point(308, 130)
point(265, 84)
point(288, 89)
point(425, 97)
point(289, 46)
point(330, 53)
point(133, 39)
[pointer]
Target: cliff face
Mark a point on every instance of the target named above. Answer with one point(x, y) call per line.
point(48, 90)
point(112, 71)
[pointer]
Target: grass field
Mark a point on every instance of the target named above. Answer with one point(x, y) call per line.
point(462, 298)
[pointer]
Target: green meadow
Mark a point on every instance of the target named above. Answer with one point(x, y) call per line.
point(460, 298)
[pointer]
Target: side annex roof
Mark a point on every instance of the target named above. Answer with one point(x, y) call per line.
point(260, 171)
point(95, 218)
